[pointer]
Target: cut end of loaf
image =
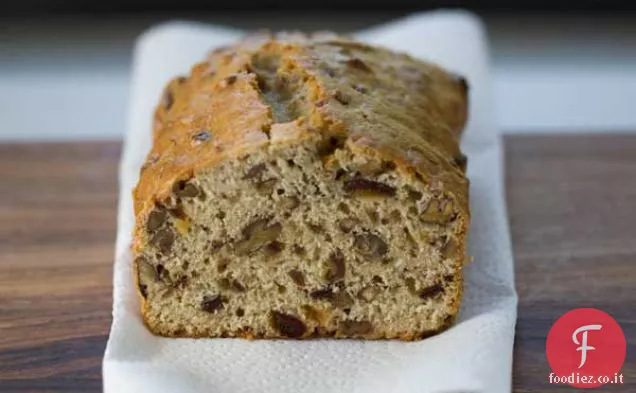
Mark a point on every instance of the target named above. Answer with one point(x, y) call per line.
point(304, 240)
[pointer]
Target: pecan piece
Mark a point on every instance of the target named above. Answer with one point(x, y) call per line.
point(355, 328)
point(255, 171)
point(290, 202)
point(319, 316)
point(185, 189)
point(155, 220)
point(335, 267)
point(163, 240)
point(358, 64)
point(431, 292)
point(346, 225)
point(369, 293)
point(256, 235)
point(438, 212)
point(212, 303)
point(287, 325)
point(370, 245)
point(266, 187)
point(367, 188)
point(146, 274)
point(297, 277)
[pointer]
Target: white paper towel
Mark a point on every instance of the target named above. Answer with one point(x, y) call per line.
point(473, 356)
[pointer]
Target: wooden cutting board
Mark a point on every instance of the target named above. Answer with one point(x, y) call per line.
point(572, 208)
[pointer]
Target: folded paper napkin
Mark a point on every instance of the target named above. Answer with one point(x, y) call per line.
point(473, 356)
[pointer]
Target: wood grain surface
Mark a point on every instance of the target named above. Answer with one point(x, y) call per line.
point(572, 207)
point(57, 234)
point(572, 210)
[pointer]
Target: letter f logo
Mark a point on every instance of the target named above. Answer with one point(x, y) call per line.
point(584, 347)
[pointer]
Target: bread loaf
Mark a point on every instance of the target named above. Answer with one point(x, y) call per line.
point(304, 186)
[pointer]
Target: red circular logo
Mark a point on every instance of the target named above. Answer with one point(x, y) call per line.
point(586, 348)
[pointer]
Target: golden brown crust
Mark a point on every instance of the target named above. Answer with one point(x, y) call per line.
point(397, 107)
point(379, 103)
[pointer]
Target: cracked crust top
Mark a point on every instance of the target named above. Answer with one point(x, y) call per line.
point(272, 89)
